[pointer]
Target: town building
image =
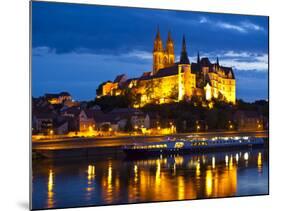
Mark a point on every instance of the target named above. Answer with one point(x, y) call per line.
point(58, 98)
point(171, 81)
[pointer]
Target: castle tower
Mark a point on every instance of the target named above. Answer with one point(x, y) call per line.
point(169, 54)
point(184, 58)
point(158, 53)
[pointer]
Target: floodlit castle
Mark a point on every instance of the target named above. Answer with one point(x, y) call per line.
point(171, 81)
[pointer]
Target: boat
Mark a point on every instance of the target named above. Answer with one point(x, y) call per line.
point(191, 144)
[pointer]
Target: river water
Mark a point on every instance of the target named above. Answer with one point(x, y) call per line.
point(119, 180)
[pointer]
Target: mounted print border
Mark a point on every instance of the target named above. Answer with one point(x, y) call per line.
point(134, 105)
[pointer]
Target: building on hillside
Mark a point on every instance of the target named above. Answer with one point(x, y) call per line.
point(58, 98)
point(171, 81)
point(43, 122)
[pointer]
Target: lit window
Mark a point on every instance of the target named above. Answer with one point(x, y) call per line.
point(179, 144)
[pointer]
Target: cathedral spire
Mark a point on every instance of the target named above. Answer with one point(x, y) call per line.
point(170, 47)
point(184, 58)
point(218, 61)
point(169, 37)
point(158, 42)
point(198, 57)
point(158, 34)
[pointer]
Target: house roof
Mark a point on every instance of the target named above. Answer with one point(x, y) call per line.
point(75, 110)
point(43, 114)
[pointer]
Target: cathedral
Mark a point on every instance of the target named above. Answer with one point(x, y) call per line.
point(171, 81)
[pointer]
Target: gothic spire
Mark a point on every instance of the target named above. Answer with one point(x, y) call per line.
point(218, 61)
point(198, 58)
point(158, 42)
point(169, 37)
point(184, 58)
point(158, 33)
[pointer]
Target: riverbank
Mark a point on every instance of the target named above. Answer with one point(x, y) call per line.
point(87, 147)
point(122, 136)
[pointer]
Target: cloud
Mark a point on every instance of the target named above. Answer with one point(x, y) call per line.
point(252, 26)
point(246, 60)
point(134, 62)
point(42, 50)
point(240, 60)
point(139, 54)
point(242, 27)
point(225, 25)
point(54, 71)
point(203, 20)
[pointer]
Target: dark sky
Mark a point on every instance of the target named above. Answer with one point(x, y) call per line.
point(76, 47)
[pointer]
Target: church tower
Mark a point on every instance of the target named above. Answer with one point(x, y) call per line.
point(184, 58)
point(158, 53)
point(170, 52)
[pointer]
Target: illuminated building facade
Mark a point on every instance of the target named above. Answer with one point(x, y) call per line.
point(58, 98)
point(171, 81)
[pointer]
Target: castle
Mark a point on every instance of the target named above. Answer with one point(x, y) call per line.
point(171, 81)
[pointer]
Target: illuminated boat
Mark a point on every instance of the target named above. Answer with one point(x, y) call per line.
point(185, 145)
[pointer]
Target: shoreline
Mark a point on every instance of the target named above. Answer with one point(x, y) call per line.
point(203, 134)
point(89, 147)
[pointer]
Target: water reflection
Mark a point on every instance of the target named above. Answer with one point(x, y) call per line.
point(213, 162)
point(161, 178)
point(50, 198)
point(259, 162)
point(91, 177)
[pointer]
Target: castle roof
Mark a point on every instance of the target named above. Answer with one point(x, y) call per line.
point(119, 78)
point(205, 62)
point(172, 70)
point(195, 67)
point(228, 70)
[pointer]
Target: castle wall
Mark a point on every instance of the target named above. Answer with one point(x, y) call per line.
point(223, 86)
point(189, 81)
point(108, 88)
point(160, 90)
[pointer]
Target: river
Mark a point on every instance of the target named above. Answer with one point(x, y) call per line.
point(118, 180)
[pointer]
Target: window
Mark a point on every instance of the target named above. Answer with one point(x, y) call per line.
point(179, 145)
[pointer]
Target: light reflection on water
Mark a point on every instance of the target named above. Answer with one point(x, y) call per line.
point(178, 177)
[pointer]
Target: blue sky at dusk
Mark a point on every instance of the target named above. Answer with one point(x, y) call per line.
point(76, 47)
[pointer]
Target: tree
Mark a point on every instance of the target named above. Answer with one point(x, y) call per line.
point(149, 89)
point(212, 118)
point(128, 127)
point(105, 127)
point(174, 93)
point(107, 103)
